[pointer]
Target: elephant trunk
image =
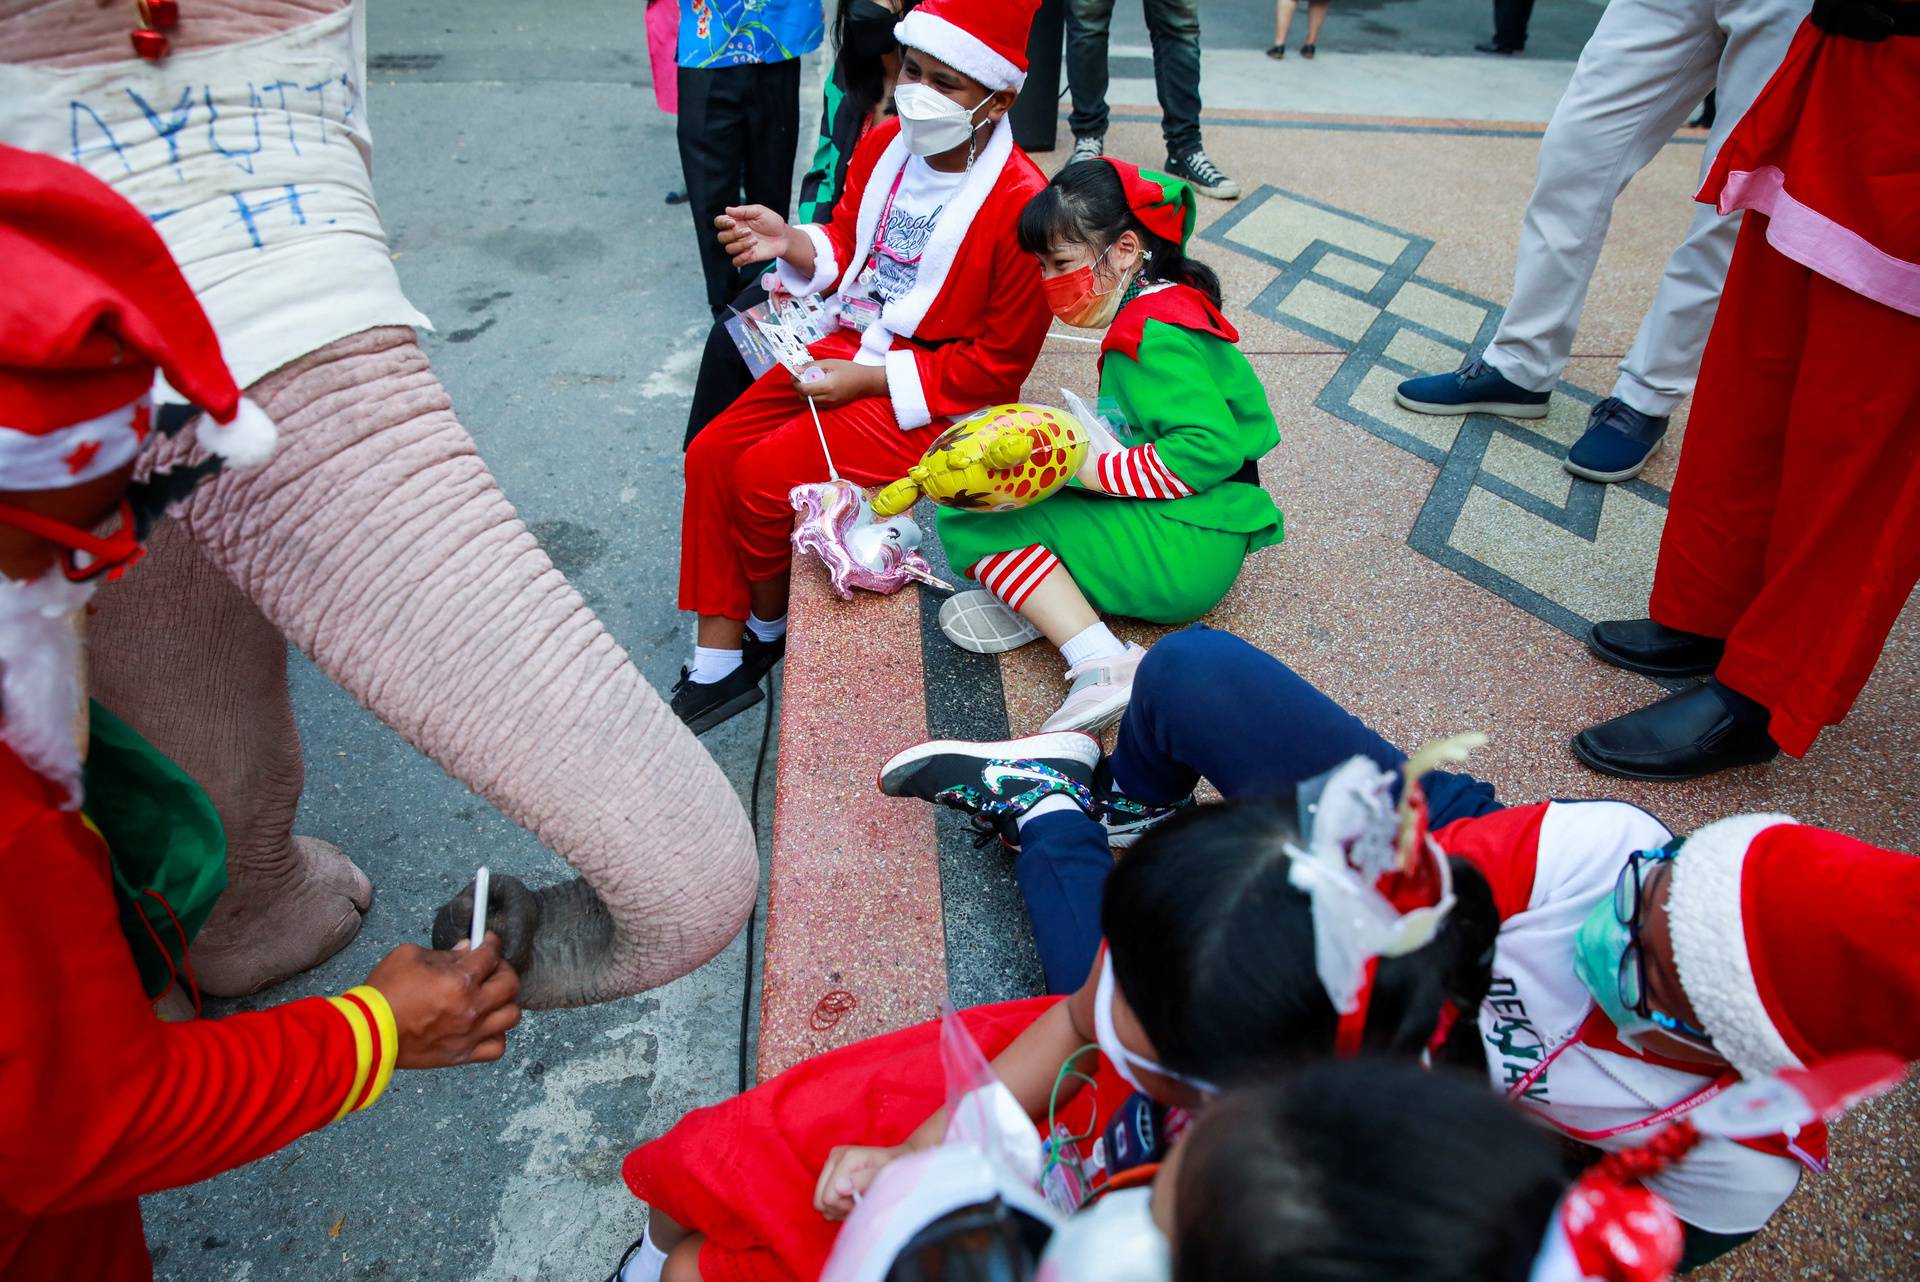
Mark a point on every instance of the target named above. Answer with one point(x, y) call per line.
point(379, 543)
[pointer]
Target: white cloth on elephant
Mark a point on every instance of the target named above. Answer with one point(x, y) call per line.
point(254, 162)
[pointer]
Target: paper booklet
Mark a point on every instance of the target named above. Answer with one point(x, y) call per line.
point(773, 333)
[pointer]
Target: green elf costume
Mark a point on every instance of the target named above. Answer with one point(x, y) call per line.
point(1183, 504)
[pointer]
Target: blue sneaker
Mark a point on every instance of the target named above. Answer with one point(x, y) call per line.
point(1475, 388)
point(1617, 443)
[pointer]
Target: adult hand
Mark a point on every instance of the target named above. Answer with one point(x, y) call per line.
point(839, 383)
point(450, 1007)
point(849, 1169)
point(753, 234)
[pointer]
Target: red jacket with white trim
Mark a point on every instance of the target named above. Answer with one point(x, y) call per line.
point(100, 1101)
point(967, 333)
point(1549, 865)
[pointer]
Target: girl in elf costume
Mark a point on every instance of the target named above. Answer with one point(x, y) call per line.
point(1157, 530)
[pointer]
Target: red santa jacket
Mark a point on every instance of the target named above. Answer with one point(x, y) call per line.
point(966, 335)
point(1830, 152)
point(1549, 865)
point(99, 1100)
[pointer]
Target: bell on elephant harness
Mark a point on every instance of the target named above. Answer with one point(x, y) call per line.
point(995, 460)
point(838, 525)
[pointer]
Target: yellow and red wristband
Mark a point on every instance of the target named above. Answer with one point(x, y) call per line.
point(376, 1042)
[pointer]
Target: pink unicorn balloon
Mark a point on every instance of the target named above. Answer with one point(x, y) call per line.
point(837, 525)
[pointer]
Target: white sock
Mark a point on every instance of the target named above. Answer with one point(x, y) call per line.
point(766, 629)
point(710, 665)
point(1096, 642)
point(1047, 806)
point(647, 1264)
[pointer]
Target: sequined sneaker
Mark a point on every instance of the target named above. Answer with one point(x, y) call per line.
point(996, 782)
point(1126, 819)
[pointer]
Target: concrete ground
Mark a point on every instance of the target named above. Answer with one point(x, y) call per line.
point(1431, 577)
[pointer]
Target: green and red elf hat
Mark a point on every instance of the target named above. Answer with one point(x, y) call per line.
point(1163, 204)
point(1166, 208)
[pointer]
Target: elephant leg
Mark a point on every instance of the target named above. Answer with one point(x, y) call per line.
point(182, 656)
point(378, 542)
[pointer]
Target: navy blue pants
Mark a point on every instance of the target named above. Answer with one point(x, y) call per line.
point(1205, 703)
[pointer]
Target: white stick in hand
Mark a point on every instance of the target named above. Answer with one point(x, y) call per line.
point(478, 932)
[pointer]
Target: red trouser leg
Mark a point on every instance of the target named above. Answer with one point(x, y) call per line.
point(868, 449)
point(711, 580)
point(1720, 515)
point(100, 1242)
point(1841, 550)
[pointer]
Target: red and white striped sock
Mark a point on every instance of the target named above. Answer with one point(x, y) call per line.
point(1012, 576)
point(1139, 473)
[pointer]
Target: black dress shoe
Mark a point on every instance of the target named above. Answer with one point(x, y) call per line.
point(1641, 645)
point(1684, 736)
point(704, 705)
point(1488, 46)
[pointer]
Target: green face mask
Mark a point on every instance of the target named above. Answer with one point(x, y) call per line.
point(1596, 959)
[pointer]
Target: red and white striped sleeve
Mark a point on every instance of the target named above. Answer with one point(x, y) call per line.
point(1139, 473)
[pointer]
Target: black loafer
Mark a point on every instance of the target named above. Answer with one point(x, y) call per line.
point(1641, 645)
point(1684, 736)
point(705, 705)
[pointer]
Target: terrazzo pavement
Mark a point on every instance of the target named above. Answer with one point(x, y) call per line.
point(1419, 646)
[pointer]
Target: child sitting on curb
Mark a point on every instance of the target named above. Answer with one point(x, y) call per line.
point(940, 314)
point(1157, 531)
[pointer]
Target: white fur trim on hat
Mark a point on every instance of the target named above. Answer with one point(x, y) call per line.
point(1706, 923)
point(246, 442)
point(75, 454)
point(959, 49)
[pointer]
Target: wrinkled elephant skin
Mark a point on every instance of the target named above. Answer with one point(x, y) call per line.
point(377, 541)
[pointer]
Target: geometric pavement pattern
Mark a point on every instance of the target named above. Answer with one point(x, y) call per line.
point(1502, 512)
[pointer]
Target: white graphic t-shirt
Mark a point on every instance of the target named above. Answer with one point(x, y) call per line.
point(1537, 1004)
point(907, 223)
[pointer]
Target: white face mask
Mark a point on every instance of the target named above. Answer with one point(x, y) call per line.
point(932, 122)
point(1123, 1060)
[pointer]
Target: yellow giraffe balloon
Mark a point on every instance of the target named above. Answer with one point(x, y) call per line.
point(995, 460)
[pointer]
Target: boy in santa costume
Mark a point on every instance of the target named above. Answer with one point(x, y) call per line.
point(1623, 977)
point(101, 1102)
point(1793, 535)
point(940, 312)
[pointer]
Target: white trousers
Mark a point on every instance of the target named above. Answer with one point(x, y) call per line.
point(1647, 67)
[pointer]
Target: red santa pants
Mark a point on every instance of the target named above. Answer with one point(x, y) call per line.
point(1794, 527)
point(99, 1243)
point(736, 525)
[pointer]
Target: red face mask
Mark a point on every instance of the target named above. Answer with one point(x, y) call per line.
point(86, 556)
point(1073, 298)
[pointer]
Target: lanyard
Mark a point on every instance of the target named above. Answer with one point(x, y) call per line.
point(880, 231)
point(1518, 1090)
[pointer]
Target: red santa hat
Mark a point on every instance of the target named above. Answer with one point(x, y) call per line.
point(985, 39)
point(94, 305)
point(1796, 944)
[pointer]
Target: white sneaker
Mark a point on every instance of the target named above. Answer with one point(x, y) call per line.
point(1099, 694)
point(981, 622)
